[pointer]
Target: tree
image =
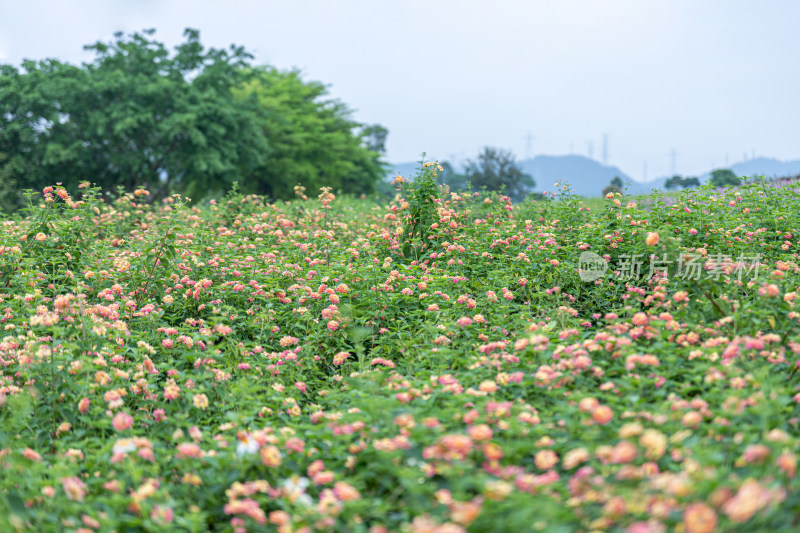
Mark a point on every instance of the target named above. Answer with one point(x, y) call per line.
point(723, 177)
point(374, 137)
point(614, 187)
point(312, 139)
point(690, 182)
point(496, 169)
point(135, 115)
point(674, 182)
point(10, 199)
point(678, 181)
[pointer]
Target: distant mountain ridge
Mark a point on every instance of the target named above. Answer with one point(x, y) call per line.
point(588, 177)
point(585, 176)
point(767, 167)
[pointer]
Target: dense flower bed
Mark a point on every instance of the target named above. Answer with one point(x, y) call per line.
point(440, 364)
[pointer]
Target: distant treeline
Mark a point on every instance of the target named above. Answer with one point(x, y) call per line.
point(192, 121)
point(721, 177)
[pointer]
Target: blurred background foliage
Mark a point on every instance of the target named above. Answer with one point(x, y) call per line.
point(192, 121)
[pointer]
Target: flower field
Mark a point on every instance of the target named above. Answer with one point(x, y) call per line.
point(442, 363)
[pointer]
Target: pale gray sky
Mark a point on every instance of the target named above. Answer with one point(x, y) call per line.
point(702, 77)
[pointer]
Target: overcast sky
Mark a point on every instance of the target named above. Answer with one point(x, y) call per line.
point(705, 78)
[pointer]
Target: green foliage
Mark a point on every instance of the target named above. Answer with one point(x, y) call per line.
point(135, 115)
point(18, 411)
point(312, 138)
point(374, 137)
point(58, 233)
point(423, 195)
point(723, 177)
point(673, 183)
point(10, 192)
point(677, 181)
point(690, 181)
point(611, 189)
point(191, 121)
point(159, 254)
point(496, 169)
point(617, 182)
point(243, 363)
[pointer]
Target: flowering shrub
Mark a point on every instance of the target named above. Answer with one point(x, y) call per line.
point(333, 365)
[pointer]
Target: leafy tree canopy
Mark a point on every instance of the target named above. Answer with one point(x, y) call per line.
point(194, 121)
point(495, 169)
point(136, 115)
point(374, 137)
point(313, 140)
point(678, 181)
point(690, 181)
point(723, 177)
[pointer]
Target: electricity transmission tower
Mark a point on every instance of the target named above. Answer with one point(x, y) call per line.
point(529, 145)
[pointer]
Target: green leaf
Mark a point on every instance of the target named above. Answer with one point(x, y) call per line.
point(16, 503)
point(723, 306)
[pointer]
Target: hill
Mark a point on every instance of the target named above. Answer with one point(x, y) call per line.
point(767, 167)
point(588, 177)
